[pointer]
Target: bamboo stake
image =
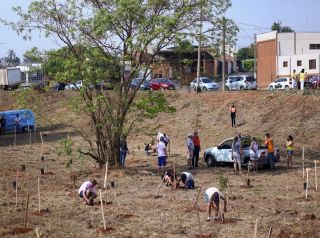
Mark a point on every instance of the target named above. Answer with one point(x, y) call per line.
point(307, 170)
point(315, 174)
point(104, 221)
point(39, 195)
point(196, 201)
point(160, 184)
point(26, 214)
point(41, 137)
point(17, 189)
point(256, 228)
point(37, 232)
point(174, 175)
point(270, 232)
point(303, 161)
point(198, 213)
point(106, 180)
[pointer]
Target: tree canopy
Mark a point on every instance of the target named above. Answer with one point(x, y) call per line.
point(277, 26)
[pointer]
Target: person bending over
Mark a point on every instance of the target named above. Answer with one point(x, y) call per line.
point(87, 191)
point(212, 197)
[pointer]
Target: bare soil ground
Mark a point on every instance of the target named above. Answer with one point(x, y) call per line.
point(131, 209)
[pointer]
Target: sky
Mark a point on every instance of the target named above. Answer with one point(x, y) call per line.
point(251, 16)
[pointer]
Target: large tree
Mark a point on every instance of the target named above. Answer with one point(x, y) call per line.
point(114, 38)
point(277, 26)
point(11, 59)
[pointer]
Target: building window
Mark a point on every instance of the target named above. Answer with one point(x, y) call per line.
point(312, 64)
point(314, 46)
point(285, 64)
point(299, 63)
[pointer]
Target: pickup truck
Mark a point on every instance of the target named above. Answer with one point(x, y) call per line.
point(223, 153)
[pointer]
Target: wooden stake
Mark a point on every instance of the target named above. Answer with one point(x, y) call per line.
point(303, 161)
point(106, 180)
point(37, 232)
point(270, 232)
point(160, 184)
point(41, 137)
point(198, 213)
point(256, 228)
point(39, 195)
point(17, 189)
point(307, 170)
point(196, 201)
point(26, 214)
point(315, 174)
point(174, 175)
point(104, 221)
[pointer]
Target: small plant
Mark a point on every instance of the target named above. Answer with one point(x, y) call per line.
point(223, 182)
point(66, 146)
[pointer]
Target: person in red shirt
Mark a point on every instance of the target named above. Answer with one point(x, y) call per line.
point(233, 113)
point(196, 150)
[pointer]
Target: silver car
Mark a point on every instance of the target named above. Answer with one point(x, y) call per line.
point(241, 82)
point(206, 84)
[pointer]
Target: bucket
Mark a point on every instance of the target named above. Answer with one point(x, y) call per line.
point(42, 171)
point(305, 185)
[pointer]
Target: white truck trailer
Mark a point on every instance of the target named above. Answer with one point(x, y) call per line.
point(10, 78)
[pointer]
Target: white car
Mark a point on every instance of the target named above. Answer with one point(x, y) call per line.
point(285, 83)
point(223, 152)
point(241, 82)
point(74, 86)
point(206, 84)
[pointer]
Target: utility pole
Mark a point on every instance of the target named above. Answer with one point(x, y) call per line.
point(255, 56)
point(199, 52)
point(224, 23)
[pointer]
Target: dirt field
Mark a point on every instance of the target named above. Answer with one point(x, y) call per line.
point(275, 199)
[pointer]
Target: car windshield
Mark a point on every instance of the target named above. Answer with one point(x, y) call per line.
point(207, 80)
point(166, 81)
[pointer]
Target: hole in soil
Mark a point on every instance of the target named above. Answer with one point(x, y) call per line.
point(42, 212)
point(125, 216)
point(232, 198)
point(204, 236)
point(309, 217)
point(105, 231)
point(49, 173)
point(98, 203)
point(19, 230)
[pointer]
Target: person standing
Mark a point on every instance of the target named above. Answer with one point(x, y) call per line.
point(236, 154)
point(196, 150)
point(269, 145)
point(293, 79)
point(123, 151)
point(2, 125)
point(17, 121)
point(190, 148)
point(162, 154)
point(289, 149)
point(254, 153)
point(233, 113)
point(302, 79)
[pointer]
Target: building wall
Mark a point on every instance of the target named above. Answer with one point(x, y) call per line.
point(286, 44)
point(292, 64)
point(303, 41)
point(266, 62)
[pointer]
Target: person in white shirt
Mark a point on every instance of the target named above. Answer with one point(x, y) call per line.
point(212, 197)
point(162, 154)
point(87, 191)
point(187, 180)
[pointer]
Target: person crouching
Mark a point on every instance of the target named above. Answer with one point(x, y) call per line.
point(87, 191)
point(187, 180)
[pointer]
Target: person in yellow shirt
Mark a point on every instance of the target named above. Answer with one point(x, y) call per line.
point(269, 145)
point(302, 79)
point(289, 149)
point(293, 78)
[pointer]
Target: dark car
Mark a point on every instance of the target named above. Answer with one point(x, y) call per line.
point(162, 84)
point(59, 86)
point(313, 82)
point(145, 85)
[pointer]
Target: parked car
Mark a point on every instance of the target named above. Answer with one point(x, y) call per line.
point(27, 120)
point(136, 81)
point(205, 84)
point(223, 152)
point(241, 82)
point(285, 83)
point(74, 86)
point(162, 84)
point(313, 82)
point(58, 86)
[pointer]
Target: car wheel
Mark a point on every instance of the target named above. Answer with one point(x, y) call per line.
point(286, 88)
point(204, 89)
point(226, 88)
point(271, 88)
point(241, 88)
point(211, 161)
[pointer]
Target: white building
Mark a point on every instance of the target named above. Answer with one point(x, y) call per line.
point(278, 54)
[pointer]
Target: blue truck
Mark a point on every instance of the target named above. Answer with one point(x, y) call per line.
point(27, 120)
